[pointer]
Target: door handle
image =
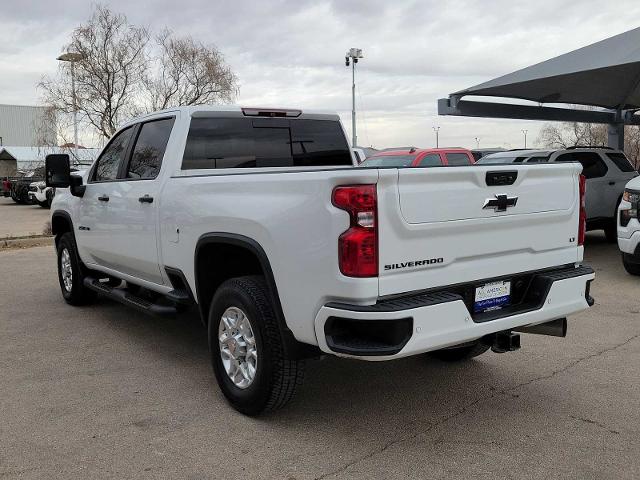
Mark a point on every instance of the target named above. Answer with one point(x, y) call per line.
point(612, 183)
point(103, 198)
point(145, 199)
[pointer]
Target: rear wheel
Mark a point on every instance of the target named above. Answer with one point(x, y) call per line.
point(71, 273)
point(247, 353)
point(456, 354)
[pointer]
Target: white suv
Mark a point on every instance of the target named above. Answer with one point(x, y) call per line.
point(607, 171)
point(629, 227)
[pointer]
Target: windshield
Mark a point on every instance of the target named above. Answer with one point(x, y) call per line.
point(389, 161)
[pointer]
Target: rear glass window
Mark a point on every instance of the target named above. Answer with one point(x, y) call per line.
point(389, 161)
point(621, 161)
point(592, 164)
point(457, 159)
point(277, 142)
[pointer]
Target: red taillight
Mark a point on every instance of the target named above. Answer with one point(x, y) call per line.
point(358, 246)
point(582, 223)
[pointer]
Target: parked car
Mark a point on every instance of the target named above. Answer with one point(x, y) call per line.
point(258, 218)
point(478, 153)
point(20, 185)
point(516, 156)
point(420, 157)
point(40, 194)
point(629, 227)
point(607, 171)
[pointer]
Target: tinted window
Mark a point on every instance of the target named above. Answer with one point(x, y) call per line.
point(109, 162)
point(277, 142)
point(621, 161)
point(592, 164)
point(538, 160)
point(389, 161)
point(151, 143)
point(431, 160)
point(456, 159)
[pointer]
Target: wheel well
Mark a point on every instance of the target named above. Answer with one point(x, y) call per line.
point(218, 262)
point(60, 224)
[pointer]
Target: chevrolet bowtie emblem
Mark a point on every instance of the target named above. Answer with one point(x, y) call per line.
point(500, 203)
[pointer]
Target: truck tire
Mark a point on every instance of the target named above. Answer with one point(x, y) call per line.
point(633, 268)
point(611, 229)
point(246, 348)
point(456, 354)
point(71, 272)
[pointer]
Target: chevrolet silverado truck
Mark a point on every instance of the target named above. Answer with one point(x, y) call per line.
point(258, 219)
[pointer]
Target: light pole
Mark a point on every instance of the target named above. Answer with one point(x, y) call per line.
point(437, 130)
point(73, 57)
point(352, 56)
point(525, 137)
point(477, 142)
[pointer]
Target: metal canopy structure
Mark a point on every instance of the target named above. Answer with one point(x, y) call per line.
point(605, 74)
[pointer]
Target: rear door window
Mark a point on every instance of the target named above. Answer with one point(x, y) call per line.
point(249, 143)
point(621, 161)
point(431, 160)
point(148, 151)
point(592, 165)
point(457, 159)
point(108, 164)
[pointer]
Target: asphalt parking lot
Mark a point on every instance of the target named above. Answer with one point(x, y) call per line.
point(21, 220)
point(106, 392)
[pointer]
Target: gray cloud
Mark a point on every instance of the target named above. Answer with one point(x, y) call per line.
point(291, 53)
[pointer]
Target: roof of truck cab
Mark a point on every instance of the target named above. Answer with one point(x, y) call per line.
point(191, 109)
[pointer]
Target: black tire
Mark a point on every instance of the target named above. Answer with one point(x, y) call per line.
point(457, 354)
point(611, 230)
point(632, 268)
point(276, 377)
point(50, 195)
point(44, 204)
point(76, 293)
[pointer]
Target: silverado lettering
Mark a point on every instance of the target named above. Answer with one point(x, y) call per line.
point(414, 263)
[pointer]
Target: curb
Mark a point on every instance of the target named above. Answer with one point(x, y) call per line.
point(26, 242)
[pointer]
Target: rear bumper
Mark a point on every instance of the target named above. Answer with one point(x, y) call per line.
point(428, 321)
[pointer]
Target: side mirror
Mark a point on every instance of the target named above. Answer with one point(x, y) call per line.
point(76, 187)
point(57, 171)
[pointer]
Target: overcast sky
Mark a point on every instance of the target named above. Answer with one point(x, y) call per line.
point(291, 52)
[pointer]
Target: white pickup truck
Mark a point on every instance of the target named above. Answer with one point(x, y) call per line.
point(259, 219)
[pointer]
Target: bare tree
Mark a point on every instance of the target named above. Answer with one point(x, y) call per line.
point(188, 73)
point(572, 134)
point(121, 74)
point(108, 76)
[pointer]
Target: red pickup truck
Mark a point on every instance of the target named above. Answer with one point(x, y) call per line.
point(421, 157)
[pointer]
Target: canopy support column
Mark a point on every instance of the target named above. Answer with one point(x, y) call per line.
point(615, 136)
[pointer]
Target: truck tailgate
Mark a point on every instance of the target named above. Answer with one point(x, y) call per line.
point(450, 225)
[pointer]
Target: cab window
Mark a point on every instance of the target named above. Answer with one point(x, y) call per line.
point(148, 151)
point(108, 164)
